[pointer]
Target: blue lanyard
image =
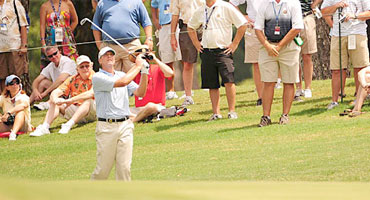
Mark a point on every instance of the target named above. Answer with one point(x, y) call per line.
point(277, 16)
point(57, 13)
point(208, 18)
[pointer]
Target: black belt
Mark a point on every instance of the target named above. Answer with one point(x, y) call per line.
point(274, 41)
point(166, 24)
point(113, 120)
point(214, 50)
point(305, 14)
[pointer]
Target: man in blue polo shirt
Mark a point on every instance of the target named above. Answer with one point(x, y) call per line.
point(121, 19)
point(114, 129)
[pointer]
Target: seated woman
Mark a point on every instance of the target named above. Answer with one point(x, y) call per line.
point(14, 102)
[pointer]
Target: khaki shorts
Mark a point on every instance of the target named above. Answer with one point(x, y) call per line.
point(91, 116)
point(252, 47)
point(358, 58)
point(189, 53)
point(9, 60)
point(164, 45)
point(287, 61)
point(122, 61)
point(308, 35)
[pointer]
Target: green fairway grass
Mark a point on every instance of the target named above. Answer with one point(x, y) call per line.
point(318, 151)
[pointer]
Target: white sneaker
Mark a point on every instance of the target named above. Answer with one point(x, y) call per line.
point(278, 84)
point(42, 106)
point(171, 95)
point(332, 105)
point(215, 117)
point(12, 136)
point(65, 129)
point(40, 131)
point(184, 95)
point(232, 115)
point(299, 92)
point(188, 101)
point(307, 93)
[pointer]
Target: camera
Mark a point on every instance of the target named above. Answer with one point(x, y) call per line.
point(147, 56)
point(10, 120)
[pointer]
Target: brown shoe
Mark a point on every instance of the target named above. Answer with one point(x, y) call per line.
point(265, 121)
point(284, 119)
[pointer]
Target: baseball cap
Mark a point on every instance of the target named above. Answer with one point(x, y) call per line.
point(10, 78)
point(81, 59)
point(140, 48)
point(104, 51)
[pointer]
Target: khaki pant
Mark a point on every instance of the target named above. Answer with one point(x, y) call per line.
point(114, 142)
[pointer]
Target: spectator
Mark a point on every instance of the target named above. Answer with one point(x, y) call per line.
point(309, 47)
point(13, 45)
point(162, 22)
point(252, 45)
point(217, 48)
point(14, 102)
point(277, 24)
point(94, 3)
point(78, 104)
point(114, 129)
point(54, 74)
point(181, 11)
point(154, 99)
point(354, 42)
point(58, 20)
point(109, 15)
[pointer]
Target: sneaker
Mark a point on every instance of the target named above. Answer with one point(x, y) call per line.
point(42, 106)
point(184, 95)
point(284, 119)
point(265, 121)
point(298, 99)
point(259, 102)
point(188, 101)
point(232, 115)
point(40, 131)
point(299, 93)
point(171, 95)
point(332, 105)
point(215, 117)
point(12, 136)
point(278, 85)
point(65, 129)
point(307, 93)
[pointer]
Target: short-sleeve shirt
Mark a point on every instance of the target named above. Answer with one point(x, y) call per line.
point(11, 39)
point(121, 19)
point(156, 89)
point(222, 15)
point(306, 5)
point(290, 10)
point(75, 85)
point(185, 8)
point(66, 65)
point(252, 7)
point(6, 104)
point(348, 28)
point(111, 102)
point(164, 10)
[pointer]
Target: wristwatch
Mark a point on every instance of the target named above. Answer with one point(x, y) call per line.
point(149, 38)
point(24, 45)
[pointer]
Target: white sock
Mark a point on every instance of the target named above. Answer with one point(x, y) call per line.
point(46, 125)
point(70, 122)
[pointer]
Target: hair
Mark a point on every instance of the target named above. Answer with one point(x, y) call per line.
point(6, 93)
point(48, 48)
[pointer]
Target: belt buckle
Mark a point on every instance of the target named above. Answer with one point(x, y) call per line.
point(110, 120)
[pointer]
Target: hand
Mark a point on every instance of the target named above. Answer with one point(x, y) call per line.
point(4, 118)
point(68, 102)
point(37, 95)
point(199, 47)
point(174, 44)
point(149, 42)
point(58, 101)
point(341, 4)
point(145, 68)
point(22, 50)
point(230, 49)
point(44, 94)
point(271, 50)
point(349, 16)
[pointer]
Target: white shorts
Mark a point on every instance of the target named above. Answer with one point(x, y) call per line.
point(165, 50)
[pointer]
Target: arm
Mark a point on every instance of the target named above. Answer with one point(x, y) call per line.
point(149, 39)
point(269, 47)
point(287, 38)
point(35, 86)
point(167, 71)
point(83, 96)
point(175, 19)
point(194, 38)
point(315, 3)
point(55, 94)
point(331, 9)
point(329, 20)
point(239, 35)
point(131, 74)
point(141, 90)
point(62, 77)
point(155, 18)
point(23, 49)
point(74, 17)
point(97, 37)
point(42, 24)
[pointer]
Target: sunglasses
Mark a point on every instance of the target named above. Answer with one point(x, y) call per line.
point(84, 66)
point(53, 54)
point(14, 82)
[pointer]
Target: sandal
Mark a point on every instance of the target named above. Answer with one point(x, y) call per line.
point(355, 113)
point(345, 112)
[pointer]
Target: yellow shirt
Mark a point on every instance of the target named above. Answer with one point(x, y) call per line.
point(185, 8)
point(6, 104)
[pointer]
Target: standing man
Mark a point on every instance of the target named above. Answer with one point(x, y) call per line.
point(182, 10)
point(13, 41)
point(277, 24)
point(54, 74)
point(216, 48)
point(353, 40)
point(121, 19)
point(252, 45)
point(162, 21)
point(309, 47)
point(114, 129)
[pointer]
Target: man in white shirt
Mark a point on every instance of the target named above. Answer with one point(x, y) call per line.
point(216, 48)
point(54, 74)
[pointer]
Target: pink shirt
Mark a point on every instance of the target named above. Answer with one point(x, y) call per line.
point(156, 90)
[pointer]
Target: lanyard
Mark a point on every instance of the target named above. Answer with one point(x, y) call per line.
point(208, 17)
point(57, 13)
point(277, 16)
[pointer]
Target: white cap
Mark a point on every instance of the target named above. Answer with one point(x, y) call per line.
point(104, 51)
point(81, 59)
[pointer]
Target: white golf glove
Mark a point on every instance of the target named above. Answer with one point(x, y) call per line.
point(145, 68)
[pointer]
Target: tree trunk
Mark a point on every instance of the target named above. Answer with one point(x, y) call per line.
point(321, 59)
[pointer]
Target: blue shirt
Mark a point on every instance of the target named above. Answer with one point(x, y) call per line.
point(121, 19)
point(111, 102)
point(164, 11)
